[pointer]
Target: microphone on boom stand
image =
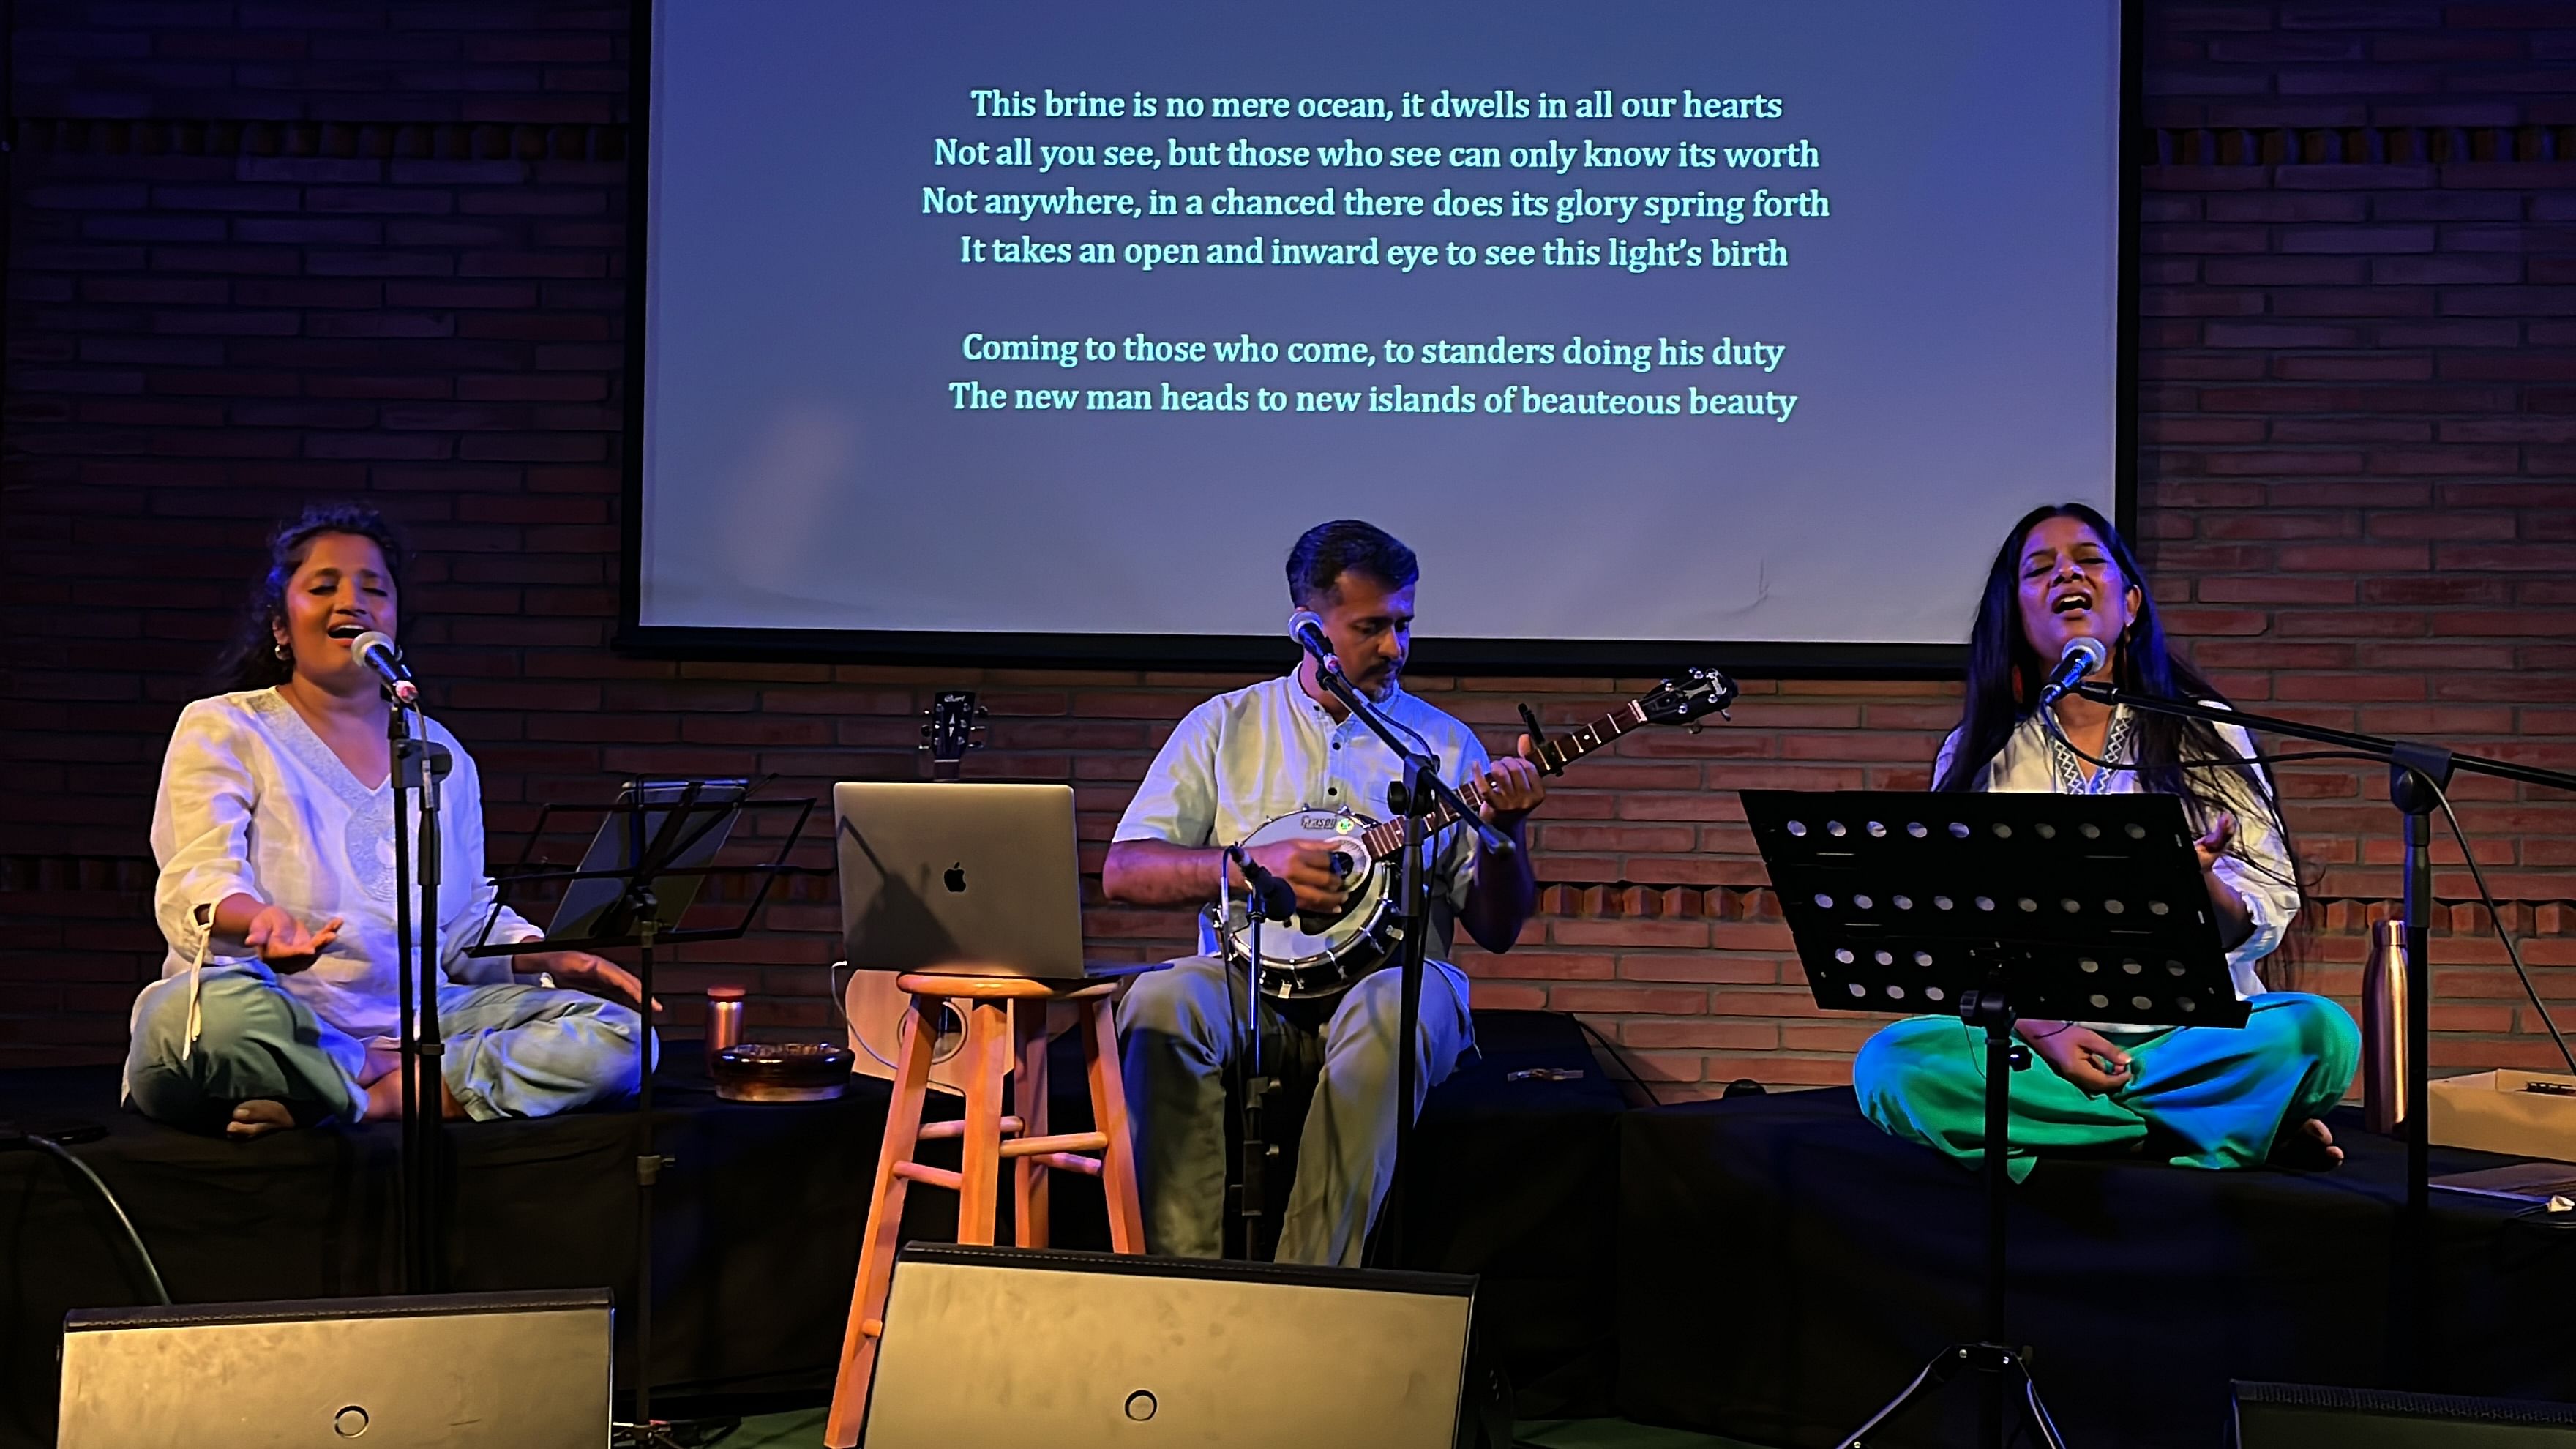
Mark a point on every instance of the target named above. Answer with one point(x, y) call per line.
point(1307, 628)
point(2083, 655)
point(376, 651)
point(1274, 899)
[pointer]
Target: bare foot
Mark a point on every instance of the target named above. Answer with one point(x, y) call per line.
point(2311, 1148)
point(257, 1119)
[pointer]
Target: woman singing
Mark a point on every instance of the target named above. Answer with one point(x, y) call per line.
point(274, 832)
point(2214, 1097)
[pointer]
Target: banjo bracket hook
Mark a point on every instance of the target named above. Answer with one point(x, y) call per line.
point(1538, 741)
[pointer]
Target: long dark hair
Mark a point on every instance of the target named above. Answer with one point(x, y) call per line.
point(251, 660)
point(2005, 675)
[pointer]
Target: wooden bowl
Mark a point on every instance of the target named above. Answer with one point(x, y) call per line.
point(794, 1071)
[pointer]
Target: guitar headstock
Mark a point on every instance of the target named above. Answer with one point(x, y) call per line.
point(948, 730)
point(1688, 697)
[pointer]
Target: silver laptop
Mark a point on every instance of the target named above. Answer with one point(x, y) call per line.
point(960, 878)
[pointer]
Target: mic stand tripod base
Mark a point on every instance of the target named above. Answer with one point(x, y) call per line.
point(2007, 1372)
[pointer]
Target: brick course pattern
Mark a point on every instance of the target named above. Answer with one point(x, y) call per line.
point(266, 252)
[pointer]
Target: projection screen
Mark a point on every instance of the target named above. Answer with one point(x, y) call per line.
point(1020, 331)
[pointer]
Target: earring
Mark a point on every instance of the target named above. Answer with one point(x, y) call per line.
point(282, 655)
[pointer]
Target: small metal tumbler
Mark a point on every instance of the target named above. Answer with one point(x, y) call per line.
point(2384, 1068)
point(724, 1018)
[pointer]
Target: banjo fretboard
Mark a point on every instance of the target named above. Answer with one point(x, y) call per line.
point(1386, 837)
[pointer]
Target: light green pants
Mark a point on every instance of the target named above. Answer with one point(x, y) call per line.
point(1180, 1036)
point(511, 1051)
point(2223, 1093)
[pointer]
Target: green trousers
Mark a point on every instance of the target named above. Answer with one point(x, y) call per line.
point(2222, 1094)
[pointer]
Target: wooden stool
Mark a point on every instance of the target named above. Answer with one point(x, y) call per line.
point(999, 1040)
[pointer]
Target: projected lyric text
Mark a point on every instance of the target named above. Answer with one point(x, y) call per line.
point(1419, 189)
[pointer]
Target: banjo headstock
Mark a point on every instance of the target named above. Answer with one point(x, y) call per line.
point(1688, 698)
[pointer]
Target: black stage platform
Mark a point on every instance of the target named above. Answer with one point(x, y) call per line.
point(1785, 1268)
point(759, 1219)
point(1768, 1268)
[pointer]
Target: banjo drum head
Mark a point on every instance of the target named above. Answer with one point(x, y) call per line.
point(1311, 955)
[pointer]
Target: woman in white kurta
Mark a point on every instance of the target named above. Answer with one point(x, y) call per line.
point(273, 827)
point(2218, 1097)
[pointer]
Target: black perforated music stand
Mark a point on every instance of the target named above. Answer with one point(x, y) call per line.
point(1995, 907)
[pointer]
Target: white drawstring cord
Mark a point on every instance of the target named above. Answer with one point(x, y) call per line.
point(197, 985)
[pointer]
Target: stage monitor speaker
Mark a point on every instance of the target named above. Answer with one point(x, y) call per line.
point(1007, 1348)
point(2308, 1416)
point(521, 1370)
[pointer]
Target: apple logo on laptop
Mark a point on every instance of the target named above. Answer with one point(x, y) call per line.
point(955, 879)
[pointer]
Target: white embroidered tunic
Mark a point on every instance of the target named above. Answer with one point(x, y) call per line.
point(252, 802)
point(2257, 865)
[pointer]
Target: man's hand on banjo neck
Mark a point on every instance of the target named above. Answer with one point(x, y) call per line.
point(1513, 788)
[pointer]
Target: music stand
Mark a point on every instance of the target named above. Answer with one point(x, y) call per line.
point(657, 830)
point(1995, 907)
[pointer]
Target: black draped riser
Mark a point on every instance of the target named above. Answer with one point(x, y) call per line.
point(1767, 1267)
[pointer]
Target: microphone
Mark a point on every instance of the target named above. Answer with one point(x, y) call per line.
point(1265, 894)
point(1307, 628)
point(377, 652)
point(2083, 655)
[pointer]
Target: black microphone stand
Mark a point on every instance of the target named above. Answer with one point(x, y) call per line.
point(1251, 1185)
point(2417, 775)
point(417, 765)
point(1422, 790)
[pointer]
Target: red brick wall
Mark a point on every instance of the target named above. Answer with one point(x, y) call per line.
point(261, 253)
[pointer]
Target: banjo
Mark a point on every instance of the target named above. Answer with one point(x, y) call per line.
point(1316, 955)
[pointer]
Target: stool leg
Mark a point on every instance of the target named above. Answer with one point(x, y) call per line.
point(884, 1230)
point(1109, 1110)
point(988, 1044)
point(1033, 1023)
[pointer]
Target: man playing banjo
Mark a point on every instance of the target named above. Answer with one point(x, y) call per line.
point(1239, 761)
